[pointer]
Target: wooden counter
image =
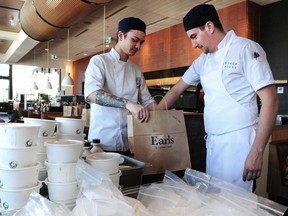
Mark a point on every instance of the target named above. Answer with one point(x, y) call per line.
point(51, 115)
point(280, 132)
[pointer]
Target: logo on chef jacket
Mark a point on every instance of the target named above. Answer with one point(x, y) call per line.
point(230, 65)
point(162, 141)
point(138, 82)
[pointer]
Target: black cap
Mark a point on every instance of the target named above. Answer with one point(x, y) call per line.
point(199, 15)
point(96, 141)
point(132, 23)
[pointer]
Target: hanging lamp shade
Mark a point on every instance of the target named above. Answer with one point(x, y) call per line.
point(67, 81)
point(48, 84)
point(35, 86)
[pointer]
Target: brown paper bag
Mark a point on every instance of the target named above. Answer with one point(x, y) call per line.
point(86, 116)
point(67, 110)
point(161, 142)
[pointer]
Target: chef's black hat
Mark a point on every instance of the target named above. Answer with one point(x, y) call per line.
point(132, 23)
point(199, 15)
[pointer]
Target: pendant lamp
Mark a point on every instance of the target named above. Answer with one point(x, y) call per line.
point(35, 86)
point(48, 84)
point(68, 81)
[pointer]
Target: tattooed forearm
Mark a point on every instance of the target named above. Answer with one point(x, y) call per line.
point(105, 99)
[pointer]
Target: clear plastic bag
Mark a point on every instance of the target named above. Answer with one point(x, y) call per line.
point(99, 196)
point(38, 205)
point(238, 200)
point(199, 194)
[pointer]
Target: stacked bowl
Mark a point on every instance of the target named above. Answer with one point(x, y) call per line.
point(62, 156)
point(70, 128)
point(107, 162)
point(19, 168)
point(46, 133)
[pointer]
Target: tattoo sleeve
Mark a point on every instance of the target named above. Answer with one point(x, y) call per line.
point(106, 99)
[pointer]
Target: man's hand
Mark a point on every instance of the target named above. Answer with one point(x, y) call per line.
point(253, 165)
point(138, 111)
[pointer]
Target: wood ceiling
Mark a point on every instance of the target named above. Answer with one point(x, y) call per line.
point(87, 36)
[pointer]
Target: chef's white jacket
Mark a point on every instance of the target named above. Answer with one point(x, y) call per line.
point(122, 79)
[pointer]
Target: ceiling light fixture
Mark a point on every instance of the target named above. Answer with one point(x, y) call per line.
point(67, 80)
point(35, 86)
point(48, 84)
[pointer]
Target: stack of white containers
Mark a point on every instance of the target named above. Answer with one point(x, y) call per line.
point(19, 168)
point(107, 162)
point(70, 128)
point(47, 132)
point(62, 156)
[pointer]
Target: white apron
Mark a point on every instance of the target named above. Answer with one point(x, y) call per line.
point(228, 141)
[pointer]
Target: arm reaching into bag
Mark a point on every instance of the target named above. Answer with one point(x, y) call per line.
point(172, 95)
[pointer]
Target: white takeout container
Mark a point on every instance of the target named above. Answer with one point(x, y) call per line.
point(115, 178)
point(62, 192)
point(70, 125)
point(63, 151)
point(71, 136)
point(105, 161)
point(61, 172)
point(42, 140)
point(18, 134)
point(42, 174)
point(47, 127)
point(19, 178)
point(14, 199)
point(20, 157)
point(41, 157)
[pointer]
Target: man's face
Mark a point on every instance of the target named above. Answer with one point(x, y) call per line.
point(201, 39)
point(132, 41)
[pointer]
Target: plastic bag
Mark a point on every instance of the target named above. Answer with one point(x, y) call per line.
point(38, 205)
point(99, 196)
point(199, 194)
point(238, 200)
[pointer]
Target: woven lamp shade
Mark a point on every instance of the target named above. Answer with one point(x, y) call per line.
point(42, 20)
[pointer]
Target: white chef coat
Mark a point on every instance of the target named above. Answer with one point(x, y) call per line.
point(122, 79)
point(230, 78)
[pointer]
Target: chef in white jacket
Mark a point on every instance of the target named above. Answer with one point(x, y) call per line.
point(115, 87)
point(232, 71)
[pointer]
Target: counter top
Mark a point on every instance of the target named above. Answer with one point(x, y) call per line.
point(193, 113)
point(280, 132)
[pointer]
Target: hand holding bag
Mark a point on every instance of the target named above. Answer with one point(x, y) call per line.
point(161, 142)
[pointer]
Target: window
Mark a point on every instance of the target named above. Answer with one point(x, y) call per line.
point(24, 78)
point(5, 82)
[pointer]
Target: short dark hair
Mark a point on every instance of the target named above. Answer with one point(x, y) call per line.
point(216, 23)
point(125, 32)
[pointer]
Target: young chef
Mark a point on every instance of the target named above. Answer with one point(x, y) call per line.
point(232, 71)
point(114, 87)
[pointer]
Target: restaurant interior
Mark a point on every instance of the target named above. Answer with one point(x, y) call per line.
point(45, 47)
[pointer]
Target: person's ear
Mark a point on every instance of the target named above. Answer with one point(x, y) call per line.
point(120, 36)
point(209, 26)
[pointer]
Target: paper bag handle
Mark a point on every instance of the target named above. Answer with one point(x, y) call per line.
point(162, 98)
